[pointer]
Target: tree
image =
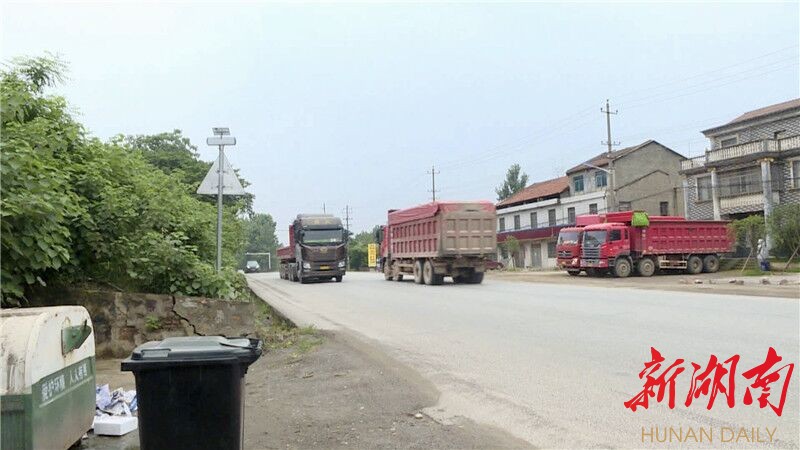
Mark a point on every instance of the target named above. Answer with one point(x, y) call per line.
point(748, 231)
point(515, 181)
point(260, 238)
point(784, 226)
point(77, 209)
point(510, 247)
point(357, 249)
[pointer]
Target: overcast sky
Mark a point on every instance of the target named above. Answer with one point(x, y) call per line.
point(350, 104)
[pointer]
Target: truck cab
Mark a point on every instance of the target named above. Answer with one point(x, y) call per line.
point(602, 244)
point(316, 251)
point(568, 249)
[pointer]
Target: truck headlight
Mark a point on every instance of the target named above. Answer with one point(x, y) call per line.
point(341, 264)
point(306, 265)
point(574, 261)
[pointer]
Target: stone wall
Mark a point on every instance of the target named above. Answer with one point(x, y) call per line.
point(124, 320)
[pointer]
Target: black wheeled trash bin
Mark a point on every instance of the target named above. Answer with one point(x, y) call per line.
point(189, 391)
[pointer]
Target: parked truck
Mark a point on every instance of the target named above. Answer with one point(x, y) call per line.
point(646, 244)
point(316, 249)
point(568, 245)
point(439, 239)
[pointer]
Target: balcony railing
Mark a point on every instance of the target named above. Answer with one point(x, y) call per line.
point(742, 150)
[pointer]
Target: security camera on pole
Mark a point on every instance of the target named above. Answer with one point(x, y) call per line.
point(220, 180)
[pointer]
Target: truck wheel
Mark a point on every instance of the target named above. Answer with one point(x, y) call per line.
point(338, 279)
point(476, 278)
point(646, 267)
point(428, 276)
point(694, 265)
point(622, 268)
point(387, 271)
point(574, 273)
point(418, 271)
point(459, 279)
point(396, 274)
point(302, 279)
point(711, 263)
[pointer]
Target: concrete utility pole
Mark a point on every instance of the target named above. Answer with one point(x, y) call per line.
point(347, 212)
point(433, 174)
point(609, 143)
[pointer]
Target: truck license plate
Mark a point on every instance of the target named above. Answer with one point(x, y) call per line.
point(324, 267)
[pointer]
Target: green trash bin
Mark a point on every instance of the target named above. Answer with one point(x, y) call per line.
point(47, 384)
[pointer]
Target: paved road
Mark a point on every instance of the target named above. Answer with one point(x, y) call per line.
point(553, 364)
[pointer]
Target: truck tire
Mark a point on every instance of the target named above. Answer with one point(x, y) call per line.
point(338, 279)
point(387, 271)
point(429, 277)
point(574, 273)
point(418, 271)
point(694, 265)
point(396, 274)
point(622, 268)
point(711, 263)
point(301, 278)
point(475, 278)
point(646, 267)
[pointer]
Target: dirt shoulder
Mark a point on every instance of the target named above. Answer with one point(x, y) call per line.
point(715, 283)
point(336, 393)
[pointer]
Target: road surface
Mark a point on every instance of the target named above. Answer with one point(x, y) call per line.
point(553, 364)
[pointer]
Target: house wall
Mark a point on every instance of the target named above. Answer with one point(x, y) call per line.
point(649, 176)
point(756, 131)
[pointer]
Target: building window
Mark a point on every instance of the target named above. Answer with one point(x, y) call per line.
point(600, 179)
point(796, 173)
point(578, 182)
point(740, 182)
point(502, 224)
point(534, 221)
point(551, 249)
point(704, 188)
point(592, 208)
point(551, 217)
point(664, 208)
point(516, 222)
point(624, 206)
point(728, 142)
point(570, 215)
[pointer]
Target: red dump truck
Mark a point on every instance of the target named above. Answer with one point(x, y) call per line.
point(568, 246)
point(316, 249)
point(439, 239)
point(646, 244)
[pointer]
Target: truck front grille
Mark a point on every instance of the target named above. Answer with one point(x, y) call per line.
point(590, 252)
point(565, 254)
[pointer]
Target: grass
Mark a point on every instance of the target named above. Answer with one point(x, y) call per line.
point(759, 273)
point(278, 333)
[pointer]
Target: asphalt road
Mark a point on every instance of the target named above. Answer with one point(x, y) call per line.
point(553, 364)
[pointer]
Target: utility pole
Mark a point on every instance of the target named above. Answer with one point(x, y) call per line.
point(323, 208)
point(347, 212)
point(609, 143)
point(433, 174)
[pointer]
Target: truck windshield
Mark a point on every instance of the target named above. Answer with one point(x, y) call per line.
point(322, 237)
point(594, 238)
point(568, 237)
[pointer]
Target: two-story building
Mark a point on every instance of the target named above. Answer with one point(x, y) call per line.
point(752, 164)
point(643, 177)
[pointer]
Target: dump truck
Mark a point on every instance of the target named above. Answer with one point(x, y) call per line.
point(316, 249)
point(439, 239)
point(568, 245)
point(647, 244)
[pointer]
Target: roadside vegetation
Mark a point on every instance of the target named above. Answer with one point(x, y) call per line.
point(278, 333)
point(123, 212)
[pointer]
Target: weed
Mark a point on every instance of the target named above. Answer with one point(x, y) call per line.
point(152, 323)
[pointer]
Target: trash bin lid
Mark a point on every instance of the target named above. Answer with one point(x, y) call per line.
point(193, 351)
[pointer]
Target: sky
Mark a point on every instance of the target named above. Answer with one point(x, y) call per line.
point(351, 104)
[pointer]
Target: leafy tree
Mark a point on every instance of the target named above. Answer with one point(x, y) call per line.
point(260, 238)
point(175, 155)
point(748, 231)
point(515, 181)
point(512, 246)
point(784, 225)
point(357, 249)
point(77, 209)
